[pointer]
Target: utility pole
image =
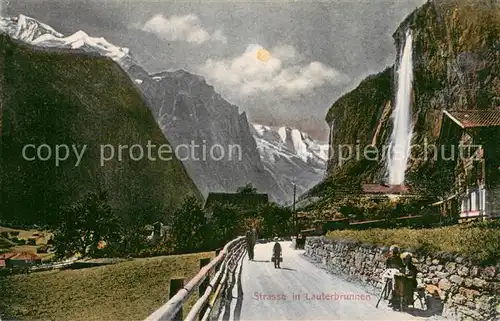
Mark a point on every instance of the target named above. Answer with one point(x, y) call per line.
point(293, 210)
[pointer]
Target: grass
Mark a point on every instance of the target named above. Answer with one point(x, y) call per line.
point(478, 243)
point(123, 291)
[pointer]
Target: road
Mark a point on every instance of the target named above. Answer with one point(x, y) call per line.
point(297, 289)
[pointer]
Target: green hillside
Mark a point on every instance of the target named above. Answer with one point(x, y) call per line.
point(66, 98)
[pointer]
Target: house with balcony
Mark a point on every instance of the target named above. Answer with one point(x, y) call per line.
point(471, 139)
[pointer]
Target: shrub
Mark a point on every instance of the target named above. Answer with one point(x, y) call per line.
point(4, 234)
point(84, 225)
point(189, 228)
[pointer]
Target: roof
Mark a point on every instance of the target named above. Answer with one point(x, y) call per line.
point(384, 189)
point(475, 118)
point(25, 256)
point(333, 221)
point(366, 222)
point(6, 256)
point(250, 199)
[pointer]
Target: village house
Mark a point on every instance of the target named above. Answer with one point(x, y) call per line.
point(19, 260)
point(475, 135)
point(4, 258)
point(159, 232)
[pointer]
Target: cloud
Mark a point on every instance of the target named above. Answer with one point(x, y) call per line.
point(285, 52)
point(246, 75)
point(181, 28)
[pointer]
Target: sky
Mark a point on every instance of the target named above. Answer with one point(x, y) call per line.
point(318, 50)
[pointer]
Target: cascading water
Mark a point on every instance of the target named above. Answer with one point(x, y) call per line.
point(400, 141)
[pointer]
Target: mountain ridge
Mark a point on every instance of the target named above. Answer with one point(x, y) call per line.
point(221, 122)
point(56, 98)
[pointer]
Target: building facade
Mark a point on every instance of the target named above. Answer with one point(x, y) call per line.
point(474, 142)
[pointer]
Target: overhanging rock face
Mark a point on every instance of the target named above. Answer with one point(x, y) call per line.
point(455, 65)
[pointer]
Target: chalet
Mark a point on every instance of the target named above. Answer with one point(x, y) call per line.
point(4, 258)
point(19, 260)
point(473, 135)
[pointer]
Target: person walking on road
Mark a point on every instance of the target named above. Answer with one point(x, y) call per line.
point(250, 244)
point(254, 236)
point(276, 253)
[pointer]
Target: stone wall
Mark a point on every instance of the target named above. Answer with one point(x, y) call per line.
point(465, 291)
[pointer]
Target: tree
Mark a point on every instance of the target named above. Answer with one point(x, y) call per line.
point(432, 180)
point(134, 240)
point(247, 189)
point(249, 223)
point(84, 225)
point(189, 228)
point(277, 220)
point(225, 222)
point(350, 209)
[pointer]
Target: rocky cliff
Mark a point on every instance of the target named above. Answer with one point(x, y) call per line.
point(456, 65)
point(51, 98)
point(224, 155)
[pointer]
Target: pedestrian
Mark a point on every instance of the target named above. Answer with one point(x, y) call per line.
point(250, 245)
point(410, 269)
point(254, 236)
point(277, 250)
point(394, 265)
point(394, 260)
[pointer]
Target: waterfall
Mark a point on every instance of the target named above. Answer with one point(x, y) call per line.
point(399, 149)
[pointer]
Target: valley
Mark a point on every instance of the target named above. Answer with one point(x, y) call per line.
point(125, 170)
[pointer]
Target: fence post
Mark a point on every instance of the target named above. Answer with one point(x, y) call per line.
point(203, 286)
point(175, 286)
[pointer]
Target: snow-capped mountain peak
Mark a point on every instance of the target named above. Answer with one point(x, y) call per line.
point(291, 156)
point(36, 33)
point(293, 141)
point(25, 28)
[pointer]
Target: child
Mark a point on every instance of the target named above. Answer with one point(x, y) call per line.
point(276, 253)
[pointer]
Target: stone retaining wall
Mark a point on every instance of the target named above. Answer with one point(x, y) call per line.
point(467, 292)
